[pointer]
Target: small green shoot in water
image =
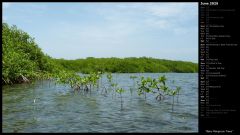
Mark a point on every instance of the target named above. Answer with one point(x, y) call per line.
point(120, 91)
point(145, 85)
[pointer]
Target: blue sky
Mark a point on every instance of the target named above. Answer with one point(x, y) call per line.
point(80, 30)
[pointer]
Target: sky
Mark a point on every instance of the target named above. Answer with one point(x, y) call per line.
point(79, 30)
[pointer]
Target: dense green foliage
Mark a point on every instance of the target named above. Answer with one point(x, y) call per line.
point(149, 85)
point(22, 59)
point(78, 82)
point(128, 65)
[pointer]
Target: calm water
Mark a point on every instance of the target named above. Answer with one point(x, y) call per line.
point(57, 108)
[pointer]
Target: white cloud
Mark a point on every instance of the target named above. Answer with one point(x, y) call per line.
point(166, 11)
point(4, 18)
point(158, 23)
point(168, 16)
point(173, 17)
point(99, 28)
point(6, 5)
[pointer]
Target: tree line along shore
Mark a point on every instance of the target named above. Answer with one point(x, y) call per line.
point(24, 61)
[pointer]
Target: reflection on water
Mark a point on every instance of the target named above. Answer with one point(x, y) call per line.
point(46, 107)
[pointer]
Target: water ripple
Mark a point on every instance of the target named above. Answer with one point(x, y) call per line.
point(59, 109)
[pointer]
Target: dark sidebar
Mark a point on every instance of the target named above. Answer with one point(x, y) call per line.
point(219, 78)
